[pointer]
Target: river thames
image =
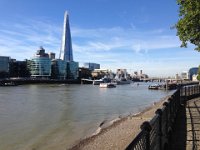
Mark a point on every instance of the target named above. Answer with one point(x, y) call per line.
point(56, 116)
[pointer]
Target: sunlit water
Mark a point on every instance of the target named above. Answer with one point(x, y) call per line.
point(56, 116)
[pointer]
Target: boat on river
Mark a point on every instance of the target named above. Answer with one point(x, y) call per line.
point(107, 85)
point(97, 82)
point(154, 87)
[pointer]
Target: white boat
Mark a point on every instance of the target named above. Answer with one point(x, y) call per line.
point(97, 82)
point(107, 85)
point(154, 87)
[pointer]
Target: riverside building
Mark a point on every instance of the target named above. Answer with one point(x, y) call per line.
point(66, 52)
point(4, 66)
point(72, 70)
point(59, 69)
point(40, 65)
point(192, 71)
point(91, 66)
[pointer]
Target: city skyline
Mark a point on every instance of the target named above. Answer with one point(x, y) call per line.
point(135, 35)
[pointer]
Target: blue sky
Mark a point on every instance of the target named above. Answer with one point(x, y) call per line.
point(131, 34)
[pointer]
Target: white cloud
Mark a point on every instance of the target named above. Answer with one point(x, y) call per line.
point(111, 47)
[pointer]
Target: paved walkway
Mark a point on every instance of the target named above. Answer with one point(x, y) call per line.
point(186, 135)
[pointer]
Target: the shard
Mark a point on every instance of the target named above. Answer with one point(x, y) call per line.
point(66, 52)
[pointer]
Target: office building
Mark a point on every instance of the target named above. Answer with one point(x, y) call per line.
point(40, 64)
point(72, 70)
point(66, 52)
point(184, 75)
point(52, 55)
point(59, 69)
point(18, 69)
point(4, 64)
point(192, 71)
point(91, 66)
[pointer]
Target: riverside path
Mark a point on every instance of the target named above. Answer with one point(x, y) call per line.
point(186, 134)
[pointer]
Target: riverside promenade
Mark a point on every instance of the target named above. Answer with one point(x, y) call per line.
point(186, 134)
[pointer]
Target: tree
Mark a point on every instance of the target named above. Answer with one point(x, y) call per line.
point(188, 26)
point(198, 76)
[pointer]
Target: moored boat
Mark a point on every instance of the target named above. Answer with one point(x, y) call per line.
point(154, 87)
point(107, 85)
point(97, 82)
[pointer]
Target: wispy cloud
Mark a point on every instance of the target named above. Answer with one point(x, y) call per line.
point(114, 47)
point(20, 40)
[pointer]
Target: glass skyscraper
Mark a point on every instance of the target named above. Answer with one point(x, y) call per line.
point(66, 52)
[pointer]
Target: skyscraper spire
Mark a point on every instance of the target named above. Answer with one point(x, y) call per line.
point(66, 52)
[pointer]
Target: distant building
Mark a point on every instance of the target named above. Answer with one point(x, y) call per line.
point(192, 71)
point(184, 75)
point(40, 64)
point(58, 69)
point(102, 73)
point(84, 73)
point(194, 77)
point(91, 66)
point(72, 70)
point(52, 55)
point(4, 66)
point(18, 69)
point(66, 52)
point(4, 63)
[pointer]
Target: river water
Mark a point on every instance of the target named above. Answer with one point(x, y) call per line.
point(56, 116)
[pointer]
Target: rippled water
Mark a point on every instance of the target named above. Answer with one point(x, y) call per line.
point(56, 116)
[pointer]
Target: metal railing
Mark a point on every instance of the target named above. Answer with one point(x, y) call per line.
point(156, 133)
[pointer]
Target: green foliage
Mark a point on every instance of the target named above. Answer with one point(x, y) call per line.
point(188, 25)
point(198, 77)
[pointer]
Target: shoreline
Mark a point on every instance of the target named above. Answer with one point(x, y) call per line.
point(119, 132)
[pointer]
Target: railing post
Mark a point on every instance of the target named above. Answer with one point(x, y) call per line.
point(147, 128)
point(199, 89)
point(170, 110)
point(185, 92)
point(159, 113)
point(166, 117)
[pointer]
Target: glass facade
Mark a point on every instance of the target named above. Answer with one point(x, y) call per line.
point(40, 67)
point(91, 66)
point(4, 64)
point(59, 69)
point(192, 71)
point(72, 70)
point(66, 52)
